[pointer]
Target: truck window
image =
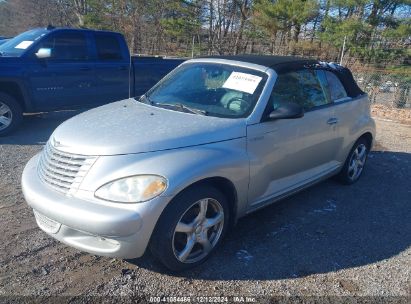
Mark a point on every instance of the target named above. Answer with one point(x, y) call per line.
point(66, 46)
point(108, 47)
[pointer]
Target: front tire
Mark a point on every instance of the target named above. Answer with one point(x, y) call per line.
point(190, 228)
point(10, 114)
point(354, 165)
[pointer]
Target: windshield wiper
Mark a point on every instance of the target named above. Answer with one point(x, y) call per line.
point(192, 110)
point(180, 106)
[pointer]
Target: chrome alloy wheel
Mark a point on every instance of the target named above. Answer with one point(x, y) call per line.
point(6, 116)
point(357, 162)
point(198, 230)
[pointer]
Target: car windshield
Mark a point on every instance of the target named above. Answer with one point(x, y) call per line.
point(212, 89)
point(16, 46)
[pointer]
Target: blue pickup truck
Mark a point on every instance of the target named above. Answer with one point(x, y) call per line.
point(58, 68)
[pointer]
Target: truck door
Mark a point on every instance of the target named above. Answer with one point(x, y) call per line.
point(112, 67)
point(66, 78)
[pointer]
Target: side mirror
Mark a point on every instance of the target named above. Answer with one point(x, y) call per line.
point(43, 53)
point(287, 111)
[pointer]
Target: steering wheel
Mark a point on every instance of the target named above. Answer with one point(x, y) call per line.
point(215, 95)
point(242, 103)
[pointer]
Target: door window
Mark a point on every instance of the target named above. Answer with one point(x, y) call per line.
point(108, 47)
point(337, 90)
point(66, 47)
point(302, 87)
point(312, 91)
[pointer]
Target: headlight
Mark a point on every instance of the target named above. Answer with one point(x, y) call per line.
point(133, 189)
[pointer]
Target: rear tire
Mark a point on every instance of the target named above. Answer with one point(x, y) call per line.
point(355, 163)
point(190, 228)
point(11, 114)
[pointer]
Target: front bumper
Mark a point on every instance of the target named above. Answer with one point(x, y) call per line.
point(89, 224)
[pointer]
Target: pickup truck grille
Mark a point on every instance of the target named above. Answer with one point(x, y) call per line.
point(63, 171)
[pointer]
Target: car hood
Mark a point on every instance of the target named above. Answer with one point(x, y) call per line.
point(127, 126)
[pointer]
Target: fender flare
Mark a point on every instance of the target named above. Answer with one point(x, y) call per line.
point(26, 101)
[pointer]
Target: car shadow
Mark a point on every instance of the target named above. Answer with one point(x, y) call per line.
point(326, 228)
point(37, 128)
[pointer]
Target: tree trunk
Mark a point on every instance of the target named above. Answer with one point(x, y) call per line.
point(244, 13)
point(210, 28)
point(297, 30)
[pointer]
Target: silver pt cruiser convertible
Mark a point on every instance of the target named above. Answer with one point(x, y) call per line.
point(216, 139)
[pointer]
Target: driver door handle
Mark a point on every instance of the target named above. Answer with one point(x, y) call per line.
point(332, 121)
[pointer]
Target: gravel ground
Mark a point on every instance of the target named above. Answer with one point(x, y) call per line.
point(329, 240)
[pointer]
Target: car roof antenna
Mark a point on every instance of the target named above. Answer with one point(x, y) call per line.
point(50, 27)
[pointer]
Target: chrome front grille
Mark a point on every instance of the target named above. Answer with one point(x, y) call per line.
point(63, 171)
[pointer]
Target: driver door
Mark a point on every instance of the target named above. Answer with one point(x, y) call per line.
point(287, 154)
point(65, 79)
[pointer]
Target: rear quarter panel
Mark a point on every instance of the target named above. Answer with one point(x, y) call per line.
point(354, 120)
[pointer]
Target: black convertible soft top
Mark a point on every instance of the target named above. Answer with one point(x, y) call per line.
point(284, 64)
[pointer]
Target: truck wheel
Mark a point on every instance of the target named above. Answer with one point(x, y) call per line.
point(10, 114)
point(354, 165)
point(190, 228)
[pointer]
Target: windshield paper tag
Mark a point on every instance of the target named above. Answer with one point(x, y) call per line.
point(242, 82)
point(23, 45)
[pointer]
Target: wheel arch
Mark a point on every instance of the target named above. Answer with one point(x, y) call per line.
point(368, 136)
point(162, 232)
point(16, 90)
point(226, 187)
point(222, 184)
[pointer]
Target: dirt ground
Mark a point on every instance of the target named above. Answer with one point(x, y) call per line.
point(330, 240)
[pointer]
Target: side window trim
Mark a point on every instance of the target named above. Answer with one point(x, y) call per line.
point(341, 100)
point(324, 83)
point(316, 108)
